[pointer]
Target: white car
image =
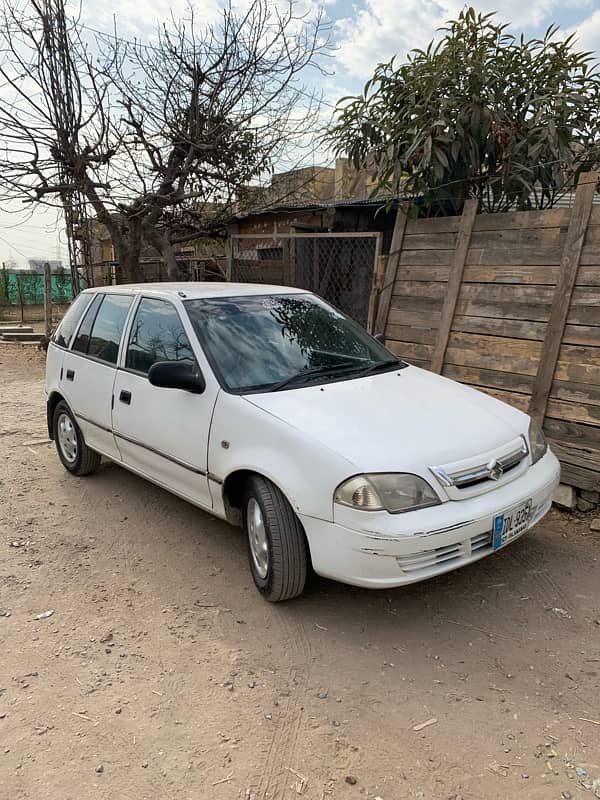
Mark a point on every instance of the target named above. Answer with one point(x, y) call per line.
point(267, 407)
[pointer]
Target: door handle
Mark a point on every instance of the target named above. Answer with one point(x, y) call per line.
point(70, 375)
point(125, 397)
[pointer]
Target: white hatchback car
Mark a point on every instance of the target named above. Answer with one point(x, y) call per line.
point(267, 407)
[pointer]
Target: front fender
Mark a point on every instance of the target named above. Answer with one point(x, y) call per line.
point(245, 437)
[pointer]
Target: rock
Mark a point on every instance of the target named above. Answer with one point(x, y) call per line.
point(144, 764)
point(564, 496)
point(323, 695)
point(595, 524)
point(585, 505)
point(591, 496)
point(351, 780)
point(99, 769)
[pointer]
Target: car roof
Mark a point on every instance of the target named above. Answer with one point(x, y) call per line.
point(190, 290)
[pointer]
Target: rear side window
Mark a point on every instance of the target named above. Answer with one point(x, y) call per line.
point(66, 329)
point(108, 327)
point(82, 340)
point(156, 335)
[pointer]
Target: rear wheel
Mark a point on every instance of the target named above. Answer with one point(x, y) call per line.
point(277, 549)
point(72, 450)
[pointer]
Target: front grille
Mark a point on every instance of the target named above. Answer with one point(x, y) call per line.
point(475, 472)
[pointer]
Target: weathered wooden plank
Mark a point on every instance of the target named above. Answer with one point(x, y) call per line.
point(433, 225)
point(410, 350)
point(564, 292)
point(580, 364)
point(413, 317)
point(573, 412)
point(433, 289)
point(583, 315)
point(394, 259)
point(551, 218)
point(408, 333)
point(538, 274)
point(578, 456)
point(509, 256)
point(518, 237)
point(524, 329)
point(452, 288)
point(572, 432)
point(429, 241)
point(376, 287)
point(424, 305)
point(579, 477)
point(491, 378)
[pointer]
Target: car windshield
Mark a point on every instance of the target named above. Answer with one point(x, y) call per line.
point(270, 342)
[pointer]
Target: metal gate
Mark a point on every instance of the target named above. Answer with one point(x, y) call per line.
point(337, 266)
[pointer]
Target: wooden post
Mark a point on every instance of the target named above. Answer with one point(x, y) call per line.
point(391, 269)
point(292, 254)
point(378, 278)
point(48, 299)
point(567, 277)
point(463, 239)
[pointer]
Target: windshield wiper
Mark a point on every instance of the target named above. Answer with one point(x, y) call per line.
point(380, 365)
point(323, 369)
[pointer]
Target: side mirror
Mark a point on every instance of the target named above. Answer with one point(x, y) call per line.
point(380, 337)
point(177, 375)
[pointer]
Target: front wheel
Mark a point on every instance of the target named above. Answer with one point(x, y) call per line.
point(72, 450)
point(277, 549)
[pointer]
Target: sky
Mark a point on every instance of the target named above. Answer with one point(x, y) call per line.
point(363, 33)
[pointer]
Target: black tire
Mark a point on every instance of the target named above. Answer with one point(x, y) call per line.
point(85, 460)
point(287, 548)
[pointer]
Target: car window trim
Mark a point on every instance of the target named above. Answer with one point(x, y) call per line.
point(83, 313)
point(140, 298)
point(113, 364)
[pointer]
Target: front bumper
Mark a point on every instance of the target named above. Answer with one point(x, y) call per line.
point(393, 550)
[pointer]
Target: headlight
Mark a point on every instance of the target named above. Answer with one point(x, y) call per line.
point(392, 492)
point(537, 441)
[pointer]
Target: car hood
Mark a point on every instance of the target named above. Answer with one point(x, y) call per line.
point(404, 420)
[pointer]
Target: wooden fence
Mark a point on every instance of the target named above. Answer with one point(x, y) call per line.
point(510, 304)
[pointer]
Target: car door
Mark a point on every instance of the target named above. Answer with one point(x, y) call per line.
point(90, 366)
point(163, 433)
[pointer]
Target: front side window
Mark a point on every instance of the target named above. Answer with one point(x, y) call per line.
point(262, 342)
point(108, 327)
point(156, 335)
point(66, 329)
point(81, 342)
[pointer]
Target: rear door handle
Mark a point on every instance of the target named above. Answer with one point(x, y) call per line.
point(125, 397)
point(70, 375)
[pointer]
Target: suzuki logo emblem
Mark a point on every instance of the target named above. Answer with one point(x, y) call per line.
point(495, 470)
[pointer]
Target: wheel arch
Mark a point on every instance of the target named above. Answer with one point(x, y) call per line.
point(54, 398)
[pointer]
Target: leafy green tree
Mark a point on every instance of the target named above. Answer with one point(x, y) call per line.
point(480, 113)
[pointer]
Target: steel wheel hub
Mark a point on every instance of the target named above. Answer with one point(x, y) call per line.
point(67, 438)
point(257, 537)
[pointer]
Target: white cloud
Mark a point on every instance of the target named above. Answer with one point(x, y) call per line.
point(588, 33)
point(374, 32)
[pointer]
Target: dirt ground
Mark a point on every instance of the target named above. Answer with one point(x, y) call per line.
point(163, 674)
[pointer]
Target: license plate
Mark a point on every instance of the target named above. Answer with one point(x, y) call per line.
point(511, 524)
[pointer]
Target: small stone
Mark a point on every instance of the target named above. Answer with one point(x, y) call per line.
point(3, 715)
point(251, 684)
point(118, 710)
point(323, 695)
point(585, 505)
point(591, 495)
point(351, 780)
point(595, 525)
point(144, 765)
point(566, 795)
point(564, 496)
point(268, 716)
point(99, 769)
point(524, 775)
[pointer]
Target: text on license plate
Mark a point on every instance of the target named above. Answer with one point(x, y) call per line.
point(510, 524)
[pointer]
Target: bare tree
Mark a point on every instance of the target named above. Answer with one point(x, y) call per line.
point(157, 138)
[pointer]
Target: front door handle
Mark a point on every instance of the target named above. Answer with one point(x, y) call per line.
point(125, 397)
point(70, 375)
